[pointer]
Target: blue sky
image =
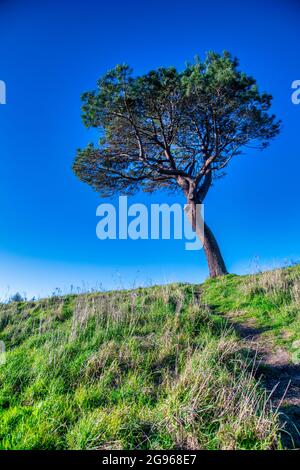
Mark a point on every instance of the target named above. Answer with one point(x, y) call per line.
point(53, 51)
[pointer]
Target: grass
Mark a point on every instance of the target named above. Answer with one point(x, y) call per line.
point(144, 369)
point(271, 299)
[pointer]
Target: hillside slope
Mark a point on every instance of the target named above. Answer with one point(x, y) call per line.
point(264, 310)
point(157, 368)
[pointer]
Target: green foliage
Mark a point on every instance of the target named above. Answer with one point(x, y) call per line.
point(17, 297)
point(144, 369)
point(271, 298)
point(171, 129)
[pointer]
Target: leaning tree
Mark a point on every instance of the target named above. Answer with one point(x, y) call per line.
point(174, 130)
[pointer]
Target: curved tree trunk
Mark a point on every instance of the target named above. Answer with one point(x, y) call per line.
point(215, 261)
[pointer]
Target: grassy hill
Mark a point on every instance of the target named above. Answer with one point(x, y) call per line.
point(154, 368)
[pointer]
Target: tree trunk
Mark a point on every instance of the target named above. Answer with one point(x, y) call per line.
point(216, 264)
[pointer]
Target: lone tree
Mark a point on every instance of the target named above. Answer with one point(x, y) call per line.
point(174, 130)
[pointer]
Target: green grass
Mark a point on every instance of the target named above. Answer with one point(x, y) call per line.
point(147, 369)
point(271, 299)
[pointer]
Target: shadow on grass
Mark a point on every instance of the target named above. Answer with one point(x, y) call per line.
point(281, 379)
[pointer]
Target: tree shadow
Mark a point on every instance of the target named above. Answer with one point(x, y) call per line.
point(282, 382)
point(279, 377)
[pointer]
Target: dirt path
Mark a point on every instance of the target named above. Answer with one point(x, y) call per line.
point(280, 377)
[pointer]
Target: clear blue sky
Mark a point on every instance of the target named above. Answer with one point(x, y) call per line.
point(53, 51)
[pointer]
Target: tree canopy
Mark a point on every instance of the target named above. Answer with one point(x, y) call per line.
point(172, 129)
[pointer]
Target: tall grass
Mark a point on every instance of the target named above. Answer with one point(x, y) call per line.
point(148, 368)
point(271, 298)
